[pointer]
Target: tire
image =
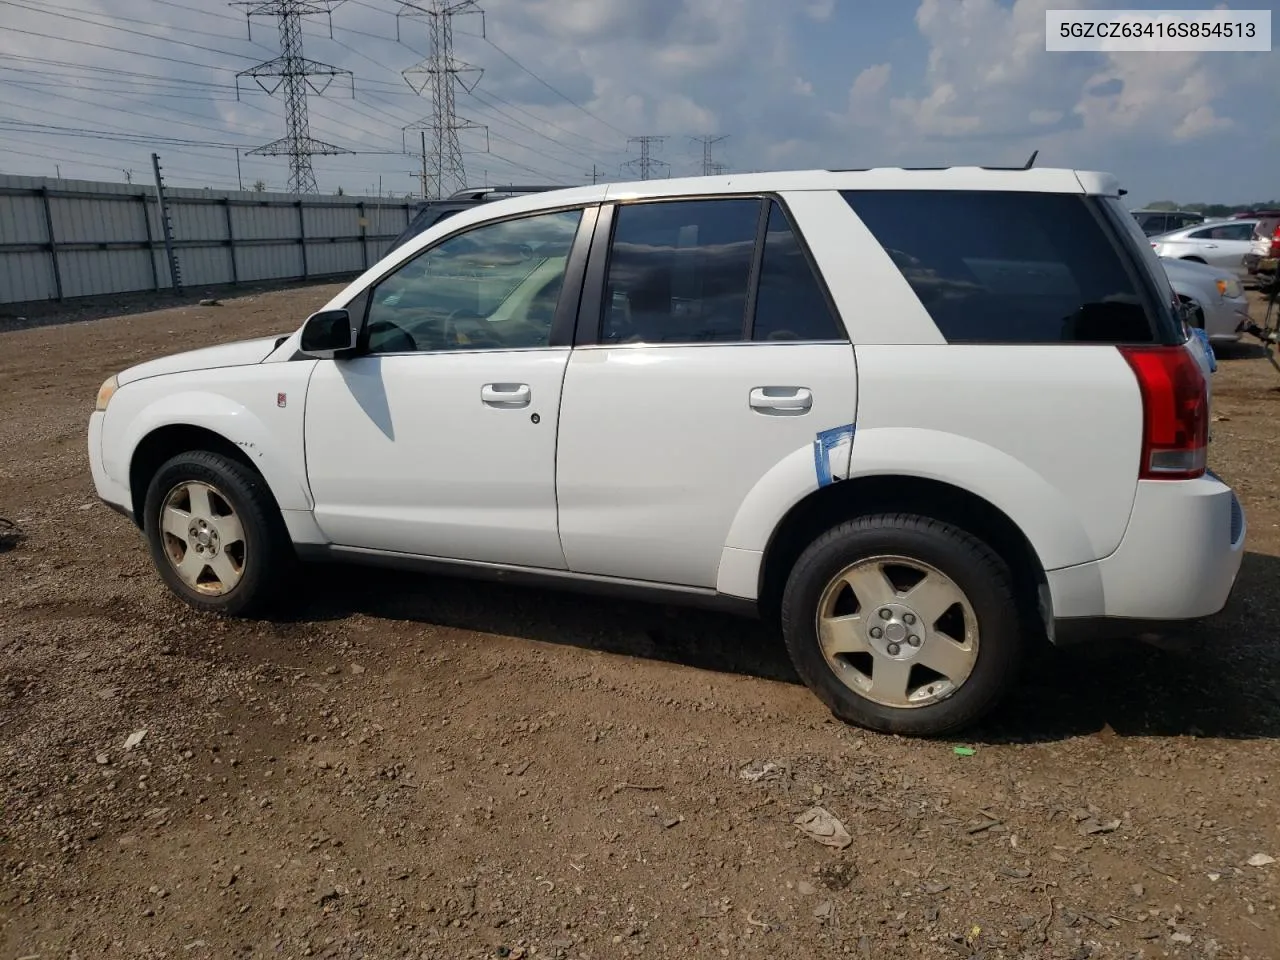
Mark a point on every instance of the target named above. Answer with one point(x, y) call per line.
point(858, 675)
point(238, 539)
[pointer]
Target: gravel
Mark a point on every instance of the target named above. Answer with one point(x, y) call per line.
point(419, 767)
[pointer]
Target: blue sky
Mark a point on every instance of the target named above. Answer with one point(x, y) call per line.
point(791, 83)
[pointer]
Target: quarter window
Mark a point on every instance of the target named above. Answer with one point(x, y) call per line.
point(1009, 267)
point(493, 287)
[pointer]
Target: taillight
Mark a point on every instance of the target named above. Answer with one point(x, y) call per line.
point(1275, 243)
point(1175, 412)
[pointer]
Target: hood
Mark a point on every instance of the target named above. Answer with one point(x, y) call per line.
point(237, 354)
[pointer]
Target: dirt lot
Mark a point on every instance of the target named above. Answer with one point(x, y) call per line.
point(436, 768)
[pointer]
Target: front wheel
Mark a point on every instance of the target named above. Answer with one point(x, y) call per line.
point(215, 534)
point(903, 624)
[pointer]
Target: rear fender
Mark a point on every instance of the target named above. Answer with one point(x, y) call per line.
point(1041, 512)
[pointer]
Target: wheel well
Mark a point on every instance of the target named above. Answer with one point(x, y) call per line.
point(165, 442)
point(1194, 259)
point(842, 501)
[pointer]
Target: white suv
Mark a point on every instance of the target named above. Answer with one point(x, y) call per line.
point(922, 418)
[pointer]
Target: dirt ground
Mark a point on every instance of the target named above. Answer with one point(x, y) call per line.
point(433, 768)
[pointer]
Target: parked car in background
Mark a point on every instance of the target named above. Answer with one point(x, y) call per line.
point(787, 394)
point(1264, 250)
point(1214, 298)
point(1155, 222)
point(1222, 244)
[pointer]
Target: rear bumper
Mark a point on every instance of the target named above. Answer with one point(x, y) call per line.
point(113, 494)
point(1177, 563)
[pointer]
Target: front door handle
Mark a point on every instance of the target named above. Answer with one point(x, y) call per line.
point(785, 400)
point(505, 394)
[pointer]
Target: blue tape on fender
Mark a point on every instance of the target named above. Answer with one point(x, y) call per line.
point(1203, 337)
point(823, 444)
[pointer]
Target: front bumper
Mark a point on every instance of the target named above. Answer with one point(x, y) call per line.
point(114, 495)
point(1226, 319)
point(1178, 561)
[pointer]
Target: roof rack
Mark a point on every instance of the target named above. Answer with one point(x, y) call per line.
point(478, 193)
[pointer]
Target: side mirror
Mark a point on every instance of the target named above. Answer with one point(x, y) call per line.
point(329, 335)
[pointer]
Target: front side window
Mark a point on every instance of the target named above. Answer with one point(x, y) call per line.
point(679, 271)
point(1008, 267)
point(492, 287)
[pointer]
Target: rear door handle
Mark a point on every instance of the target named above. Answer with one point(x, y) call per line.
point(789, 400)
point(505, 394)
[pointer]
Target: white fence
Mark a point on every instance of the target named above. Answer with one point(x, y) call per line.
point(73, 238)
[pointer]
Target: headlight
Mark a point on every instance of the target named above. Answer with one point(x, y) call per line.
point(1230, 288)
point(105, 392)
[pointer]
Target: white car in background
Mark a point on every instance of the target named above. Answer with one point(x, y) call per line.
point(1215, 297)
point(1221, 244)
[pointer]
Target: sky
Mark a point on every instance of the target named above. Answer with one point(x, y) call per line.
point(89, 88)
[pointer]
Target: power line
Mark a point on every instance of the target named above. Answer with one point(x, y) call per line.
point(443, 73)
point(645, 163)
point(110, 26)
point(297, 75)
point(709, 166)
point(558, 93)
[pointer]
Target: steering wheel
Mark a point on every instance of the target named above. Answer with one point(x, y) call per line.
point(475, 331)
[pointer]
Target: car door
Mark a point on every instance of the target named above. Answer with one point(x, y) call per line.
point(707, 354)
point(1224, 245)
point(438, 439)
point(1234, 241)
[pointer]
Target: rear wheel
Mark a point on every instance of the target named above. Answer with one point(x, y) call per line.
point(903, 624)
point(215, 534)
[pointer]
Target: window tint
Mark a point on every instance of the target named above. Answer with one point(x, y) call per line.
point(1008, 267)
point(790, 304)
point(493, 287)
point(1153, 223)
point(678, 271)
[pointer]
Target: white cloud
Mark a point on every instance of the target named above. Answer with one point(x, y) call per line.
point(820, 10)
point(991, 89)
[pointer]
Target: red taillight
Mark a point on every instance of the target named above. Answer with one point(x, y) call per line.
point(1275, 243)
point(1175, 412)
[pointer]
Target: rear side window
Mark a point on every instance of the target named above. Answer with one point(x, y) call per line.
point(790, 305)
point(679, 271)
point(1010, 267)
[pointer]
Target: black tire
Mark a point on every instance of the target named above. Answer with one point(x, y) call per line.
point(268, 559)
point(980, 574)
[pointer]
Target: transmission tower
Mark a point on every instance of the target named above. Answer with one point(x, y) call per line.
point(709, 166)
point(645, 163)
point(298, 76)
point(442, 73)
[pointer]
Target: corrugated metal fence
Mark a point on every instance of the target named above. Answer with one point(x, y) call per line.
point(76, 238)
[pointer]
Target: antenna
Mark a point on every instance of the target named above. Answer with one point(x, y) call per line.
point(1031, 160)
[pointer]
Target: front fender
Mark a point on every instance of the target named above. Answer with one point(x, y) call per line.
point(229, 418)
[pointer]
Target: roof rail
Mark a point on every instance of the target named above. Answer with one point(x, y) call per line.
point(477, 193)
